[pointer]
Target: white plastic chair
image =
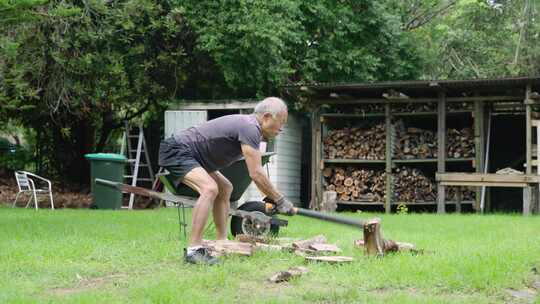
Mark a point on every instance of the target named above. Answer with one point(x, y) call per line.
point(28, 185)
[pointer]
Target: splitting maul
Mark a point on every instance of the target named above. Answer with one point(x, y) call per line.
point(374, 244)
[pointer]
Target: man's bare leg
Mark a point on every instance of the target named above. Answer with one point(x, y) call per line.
point(199, 180)
point(222, 204)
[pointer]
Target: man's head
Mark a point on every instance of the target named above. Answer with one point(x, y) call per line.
point(272, 115)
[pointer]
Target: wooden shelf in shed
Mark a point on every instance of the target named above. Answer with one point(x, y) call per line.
point(397, 161)
point(365, 203)
point(353, 161)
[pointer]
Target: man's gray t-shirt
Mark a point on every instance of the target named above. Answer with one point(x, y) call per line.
point(216, 143)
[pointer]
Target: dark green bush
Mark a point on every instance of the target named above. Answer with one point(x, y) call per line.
point(13, 157)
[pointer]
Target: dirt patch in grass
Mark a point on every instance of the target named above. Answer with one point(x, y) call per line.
point(64, 197)
point(84, 284)
point(529, 293)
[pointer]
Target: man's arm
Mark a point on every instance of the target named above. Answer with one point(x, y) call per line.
point(256, 172)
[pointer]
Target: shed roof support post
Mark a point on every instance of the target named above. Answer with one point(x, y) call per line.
point(527, 192)
point(479, 147)
point(316, 160)
point(528, 130)
point(441, 149)
point(388, 151)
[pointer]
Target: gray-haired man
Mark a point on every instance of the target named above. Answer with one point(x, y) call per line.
point(196, 155)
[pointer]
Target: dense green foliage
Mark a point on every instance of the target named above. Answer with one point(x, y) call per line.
point(78, 70)
point(13, 157)
point(74, 70)
point(478, 39)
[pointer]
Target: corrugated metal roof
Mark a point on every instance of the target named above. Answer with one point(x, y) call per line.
point(466, 83)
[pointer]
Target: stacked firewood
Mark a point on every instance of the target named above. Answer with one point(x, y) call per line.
point(460, 143)
point(356, 143)
point(414, 107)
point(354, 184)
point(467, 194)
point(459, 106)
point(414, 143)
point(411, 185)
point(410, 143)
point(369, 108)
point(364, 185)
point(359, 109)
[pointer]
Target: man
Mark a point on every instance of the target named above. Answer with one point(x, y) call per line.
point(196, 155)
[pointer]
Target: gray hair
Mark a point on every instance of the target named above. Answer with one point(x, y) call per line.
point(272, 105)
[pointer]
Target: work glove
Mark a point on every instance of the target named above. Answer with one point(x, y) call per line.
point(284, 206)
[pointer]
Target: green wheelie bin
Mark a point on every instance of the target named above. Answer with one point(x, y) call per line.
point(107, 166)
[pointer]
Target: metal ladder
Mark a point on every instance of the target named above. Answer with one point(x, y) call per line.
point(137, 159)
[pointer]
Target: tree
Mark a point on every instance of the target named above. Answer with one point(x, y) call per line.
point(80, 69)
point(259, 45)
point(73, 70)
point(480, 39)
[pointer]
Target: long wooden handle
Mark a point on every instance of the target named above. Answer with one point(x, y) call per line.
point(271, 209)
point(145, 192)
point(329, 217)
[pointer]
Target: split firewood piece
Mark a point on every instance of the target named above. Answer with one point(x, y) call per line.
point(402, 246)
point(325, 248)
point(330, 259)
point(224, 247)
point(252, 239)
point(283, 276)
point(373, 242)
point(327, 172)
point(393, 246)
point(390, 245)
point(269, 247)
point(304, 244)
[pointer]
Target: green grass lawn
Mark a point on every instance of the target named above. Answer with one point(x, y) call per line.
point(88, 256)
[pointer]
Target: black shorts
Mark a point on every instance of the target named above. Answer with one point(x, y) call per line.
point(176, 158)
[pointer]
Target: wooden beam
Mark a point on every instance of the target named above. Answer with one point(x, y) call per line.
point(527, 191)
point(213, 105)
point(415, 100)
point(479, 146)
point(441, 149)
point(388, 152)
point(417, 203)
point(458, 199)
point(316, 160)
point(527, 198)
point(484, 183)
point(528, 131)
point(488, 177)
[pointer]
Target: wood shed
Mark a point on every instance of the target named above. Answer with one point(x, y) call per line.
point(284, 168)
point(381, 144)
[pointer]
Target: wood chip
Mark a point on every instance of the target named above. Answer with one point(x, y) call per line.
point(283, 276)
point(304, 244)
point(224, 247)
point(244, 238)
point(401, 246)
point(330, 259)
point(268, 247)
point(405, 246)
point(325, 248)
point(359, 243)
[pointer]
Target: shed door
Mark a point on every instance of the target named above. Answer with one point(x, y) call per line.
point(180, 120)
